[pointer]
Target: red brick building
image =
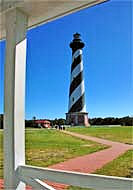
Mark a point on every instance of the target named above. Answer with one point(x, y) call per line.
point(43, 123)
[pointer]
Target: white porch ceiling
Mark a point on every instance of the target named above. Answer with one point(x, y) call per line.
point(42, 11)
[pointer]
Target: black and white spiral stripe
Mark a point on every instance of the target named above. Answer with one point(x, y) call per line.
point(77, 91)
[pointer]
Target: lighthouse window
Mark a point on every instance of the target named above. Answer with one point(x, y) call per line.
point(73, 99)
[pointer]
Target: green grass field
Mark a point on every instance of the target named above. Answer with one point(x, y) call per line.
point(122, 166)
point(119, 167)
point(48, 147)
point(119, 134)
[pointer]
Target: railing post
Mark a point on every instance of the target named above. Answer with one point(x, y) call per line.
point(14, 97)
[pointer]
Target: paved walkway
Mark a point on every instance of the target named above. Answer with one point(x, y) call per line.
point(91, 162)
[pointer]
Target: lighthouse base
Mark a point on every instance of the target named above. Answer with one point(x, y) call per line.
point(77, 119)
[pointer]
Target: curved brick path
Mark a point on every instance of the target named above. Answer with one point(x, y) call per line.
point(91, 162)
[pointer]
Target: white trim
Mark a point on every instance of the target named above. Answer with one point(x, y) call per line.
point(98, 182)
point(35, 183)
point(14, 98)
point(19, 101)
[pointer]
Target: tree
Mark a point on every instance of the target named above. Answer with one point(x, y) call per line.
point(33, 118)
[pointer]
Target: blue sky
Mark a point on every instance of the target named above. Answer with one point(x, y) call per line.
point(106, 31)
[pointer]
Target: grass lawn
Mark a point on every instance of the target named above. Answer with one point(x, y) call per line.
point(119, 134)
point(122, 166)
point(48, 147)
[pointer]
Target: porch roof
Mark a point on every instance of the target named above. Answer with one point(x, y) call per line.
point(42, 11)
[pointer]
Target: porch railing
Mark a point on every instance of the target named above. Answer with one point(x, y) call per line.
point(33, 176)
point(16, 173)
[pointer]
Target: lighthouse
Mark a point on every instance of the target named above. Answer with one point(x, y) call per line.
point(77, 114)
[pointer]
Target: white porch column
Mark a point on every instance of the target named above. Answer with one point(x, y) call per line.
point(14, 97)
